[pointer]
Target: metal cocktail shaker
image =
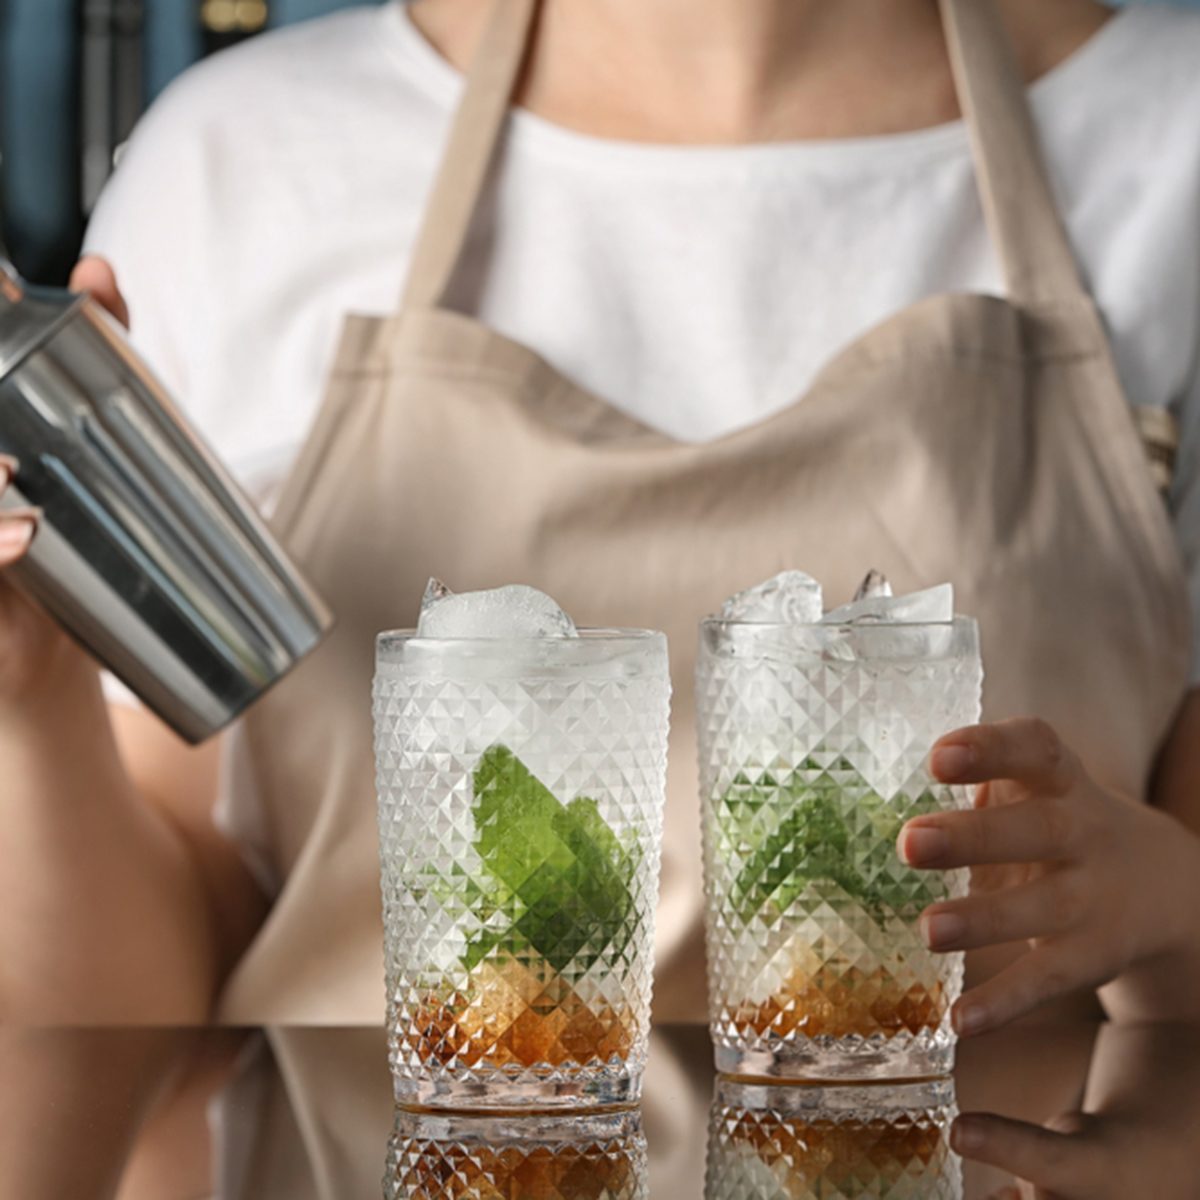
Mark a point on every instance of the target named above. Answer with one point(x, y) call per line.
point(147, 552)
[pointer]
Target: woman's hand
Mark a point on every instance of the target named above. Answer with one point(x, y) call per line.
point(1133, 1135)
point(1097, 885)
point(27, 637)
point(96, 276)
point(32, 647)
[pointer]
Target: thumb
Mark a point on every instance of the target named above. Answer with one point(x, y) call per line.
point(96, 276)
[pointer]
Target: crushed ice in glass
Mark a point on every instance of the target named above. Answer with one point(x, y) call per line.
point(794, 598)
point(516, 611)
point(766, 619)
point(874, 602)
point(790, 598)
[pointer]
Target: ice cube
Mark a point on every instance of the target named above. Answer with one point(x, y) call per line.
point(875, 584)
point(933, 605)
point(790, 598)
point(435, 591)
point(516, 611)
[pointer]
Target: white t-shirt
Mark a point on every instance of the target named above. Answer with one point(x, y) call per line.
point(278, 186)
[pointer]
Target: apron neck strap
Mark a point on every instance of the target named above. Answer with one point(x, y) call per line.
point(1021, 213)
point(491, 82)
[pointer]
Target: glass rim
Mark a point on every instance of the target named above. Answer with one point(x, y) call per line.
point(587, 634)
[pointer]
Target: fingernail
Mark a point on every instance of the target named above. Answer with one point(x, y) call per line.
point(924, 845)
point(967, 1136)
point(15, 536)
point(943, 929)
point(969, 1019)
point(951, 762)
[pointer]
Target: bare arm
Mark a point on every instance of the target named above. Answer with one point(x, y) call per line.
point(1169, 987)
point(1177, 784)
point(103, 916)
point(179, 783)
point(119, 901)
point(72, 1104)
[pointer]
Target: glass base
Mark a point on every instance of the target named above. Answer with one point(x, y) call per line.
point(848, 1059)
point(556, 1091)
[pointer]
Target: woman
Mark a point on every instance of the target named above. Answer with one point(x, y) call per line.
point(700, 212)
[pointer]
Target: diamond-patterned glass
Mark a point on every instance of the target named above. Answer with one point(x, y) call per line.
point(521, 789)
point(813, 747)
point(833, 1143)
point(440, 1157)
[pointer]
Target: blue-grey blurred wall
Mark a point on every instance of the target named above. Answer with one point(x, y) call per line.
point(38, 70)
point(74, 74)
point(174, 39)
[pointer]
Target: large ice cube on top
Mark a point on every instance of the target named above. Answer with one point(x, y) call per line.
point(516, 611)
point(875, 603)
point(790, 598)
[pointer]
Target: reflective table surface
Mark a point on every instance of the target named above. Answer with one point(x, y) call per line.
point(307, 1114)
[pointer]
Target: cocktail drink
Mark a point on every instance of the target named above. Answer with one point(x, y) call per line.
point(813, 741)
point(521, 787)
point(876, 1142)
point(445, 1156)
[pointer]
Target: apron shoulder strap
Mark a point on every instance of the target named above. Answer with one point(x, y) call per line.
point(469, 153)
point(1022, 215)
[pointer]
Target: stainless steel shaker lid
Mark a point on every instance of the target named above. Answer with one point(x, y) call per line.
point(29, 315)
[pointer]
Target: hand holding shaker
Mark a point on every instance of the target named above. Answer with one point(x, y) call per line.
point(147, 552)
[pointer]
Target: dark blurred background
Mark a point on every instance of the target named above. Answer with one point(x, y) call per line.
point(75, 75)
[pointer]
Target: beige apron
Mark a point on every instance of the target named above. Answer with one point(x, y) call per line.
point(970, 438)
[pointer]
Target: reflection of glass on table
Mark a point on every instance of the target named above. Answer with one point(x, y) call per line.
point(442, 1156)
point(306, 1114)
point(872, 1142)
point(813, 745)
point(521, 786)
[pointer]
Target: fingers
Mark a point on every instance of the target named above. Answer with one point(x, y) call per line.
point(1044, 829)
point(1062, 1163)
point(1026, 750)
point(17, 525)
point(1051, 905)
point(17, 529)
point(96, 276)
point(1051, 969)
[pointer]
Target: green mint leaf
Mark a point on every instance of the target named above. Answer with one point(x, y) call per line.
point(562, 880)
point(792, 833)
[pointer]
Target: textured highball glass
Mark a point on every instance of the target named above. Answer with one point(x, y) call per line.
point(521, 786)
point(873, 1142)
point(813, 748)
point(446, 1156)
